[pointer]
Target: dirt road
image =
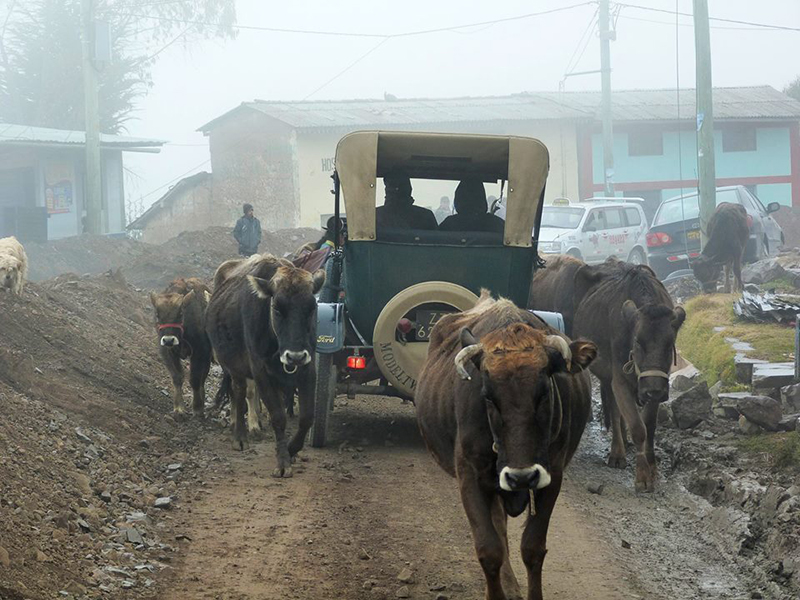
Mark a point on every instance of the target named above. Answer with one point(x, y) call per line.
point(373, 504)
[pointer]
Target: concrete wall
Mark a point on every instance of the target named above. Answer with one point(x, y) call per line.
point(189, 209)
point(253, 161)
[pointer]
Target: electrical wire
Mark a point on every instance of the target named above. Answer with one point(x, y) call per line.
point(720, 19)
point(585, 36)
point(347, 68)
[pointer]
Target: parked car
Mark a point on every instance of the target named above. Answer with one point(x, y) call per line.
point(594, 229)
point(674, 237)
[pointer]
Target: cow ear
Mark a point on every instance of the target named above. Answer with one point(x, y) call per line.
point(679, 316)
point(261, 287)
point(585, 278)
point(187, 299)
point(467, 339)
point(318, 278)
point(583, 354)
point(630, 313)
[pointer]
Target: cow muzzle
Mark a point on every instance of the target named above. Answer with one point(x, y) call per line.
point(170, 341)
point(292, 360)
point(529, 478)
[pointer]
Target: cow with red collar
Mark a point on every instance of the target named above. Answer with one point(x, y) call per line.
point(181, 327)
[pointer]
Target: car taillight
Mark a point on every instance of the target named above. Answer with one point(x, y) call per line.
point(658, 239)
point(356, 362)
point(749, 221)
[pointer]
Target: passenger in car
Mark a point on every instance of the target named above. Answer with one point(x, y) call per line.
point(398, 210)
point(471, 211)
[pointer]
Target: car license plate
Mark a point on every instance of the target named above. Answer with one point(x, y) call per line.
point(693, 235)
point(426, 319)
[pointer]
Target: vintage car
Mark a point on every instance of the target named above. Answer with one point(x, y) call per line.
point(387, 287)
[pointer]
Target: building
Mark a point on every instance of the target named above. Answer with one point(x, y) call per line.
point(41, 181)
point(187, 206)
point(280, 155)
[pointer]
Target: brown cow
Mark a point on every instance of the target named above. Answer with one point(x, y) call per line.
point(626, 311)
point(180, 322)
point(502, 404)
point(262, 324)
point(728, 233)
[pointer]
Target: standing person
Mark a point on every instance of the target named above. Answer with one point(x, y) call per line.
point(247, 232)
point(443, 211)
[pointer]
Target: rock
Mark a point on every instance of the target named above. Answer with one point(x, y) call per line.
point(133, 536)
point(174, 467)
point(5, 559)
point(406, 576)
point(369, 584)
point(715, 390)
point(364, 555)
point(744, 368)
point(727, 404)
point(691, 407)
point(442, 597)
point(789, 423)
point(595, 488)
point(403, 592)
point(748, 428)
point(790, 396)
point(82, 436)
point(684, 379)
point(105, 496)
point(40, 556)
point(763, 271)
point(83, 484)
point(84, 525)
point(772, 375)
point(164, 502)
point(761, 410)
point(626, 544)
point(665, 414)
point(75, 588)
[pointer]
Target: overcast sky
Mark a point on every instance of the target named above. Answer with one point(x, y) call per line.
point(194, 84)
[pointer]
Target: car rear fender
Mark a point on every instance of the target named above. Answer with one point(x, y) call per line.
point(330, 327)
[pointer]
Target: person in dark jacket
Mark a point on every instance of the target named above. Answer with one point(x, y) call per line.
point(247, 232)
point(398, 209)
point(471, 211)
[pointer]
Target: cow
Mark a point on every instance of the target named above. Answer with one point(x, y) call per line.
point(502, 402)
point(180, 324)
point(728, 233)
point(626, 311)
point(262, 325)
point(13, 265)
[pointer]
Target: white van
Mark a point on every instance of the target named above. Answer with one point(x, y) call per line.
point(594, 229)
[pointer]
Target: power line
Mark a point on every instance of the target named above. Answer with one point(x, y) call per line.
point(720, 19)
point(452, 28)
point(718, 27)
point(584, 40)
point(348, 67)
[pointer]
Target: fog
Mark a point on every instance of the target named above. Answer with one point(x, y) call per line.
point(197, 82)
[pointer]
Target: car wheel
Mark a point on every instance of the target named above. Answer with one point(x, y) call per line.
point(637, 257)
point(575, 254)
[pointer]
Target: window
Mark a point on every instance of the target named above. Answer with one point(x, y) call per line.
point(645, 142)
point(634, 219)
point(652, 200)
point(740, 138)
point(614, 218)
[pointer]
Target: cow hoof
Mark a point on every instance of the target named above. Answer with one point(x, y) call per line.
point(241, 445)
point(645, 487)
point(256, 434)
point(200, 415)
point(282, 472)
point(617, 462)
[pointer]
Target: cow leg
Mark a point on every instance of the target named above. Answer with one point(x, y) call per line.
point(198, 372)
point(507, 576)
point(288, 400)
point(534, 537)
point(273, 399)
point(305, 392)
point(626, 402)
point(238, 393)
point(489, 545)
point(253, 409)
point(175, 368)
point(650, 421)
point(737, 272)
point(616, 457)
point(727, 274)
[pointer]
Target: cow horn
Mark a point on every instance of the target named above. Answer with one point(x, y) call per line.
point(560, 344)
point(464, 355)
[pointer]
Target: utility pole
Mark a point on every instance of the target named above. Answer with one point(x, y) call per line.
point(606, 35)
point(92, 186)
point(705, 118)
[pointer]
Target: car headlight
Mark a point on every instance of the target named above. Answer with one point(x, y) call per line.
point(551, 247)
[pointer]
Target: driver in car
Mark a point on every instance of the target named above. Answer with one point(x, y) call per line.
point(471, 210)
point(398, 210)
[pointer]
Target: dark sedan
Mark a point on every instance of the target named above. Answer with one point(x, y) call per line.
point(674, 236)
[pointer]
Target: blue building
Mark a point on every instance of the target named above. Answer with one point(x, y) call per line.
point(756, 144)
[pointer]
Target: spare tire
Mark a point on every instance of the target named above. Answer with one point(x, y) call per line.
point(401, 362)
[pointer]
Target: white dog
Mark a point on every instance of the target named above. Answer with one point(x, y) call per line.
point(13, 265)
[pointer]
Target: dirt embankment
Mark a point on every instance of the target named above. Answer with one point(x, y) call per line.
point(192, 253)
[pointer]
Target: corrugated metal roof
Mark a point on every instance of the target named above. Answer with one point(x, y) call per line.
point(201, 178)
point(762, 102)
point(29, 136)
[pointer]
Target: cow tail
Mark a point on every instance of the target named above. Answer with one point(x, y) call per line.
point(224, 391)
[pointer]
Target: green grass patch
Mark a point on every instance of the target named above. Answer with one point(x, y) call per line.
point(781, 449)
point(708, 350)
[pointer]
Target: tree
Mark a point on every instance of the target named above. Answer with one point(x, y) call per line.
point(793, 89)
point(40, 55)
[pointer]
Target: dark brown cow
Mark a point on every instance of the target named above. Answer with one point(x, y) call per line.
point(728, 233)
point(262, 324)
point(180, 322)
point(626, 311)
point(502, 404)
